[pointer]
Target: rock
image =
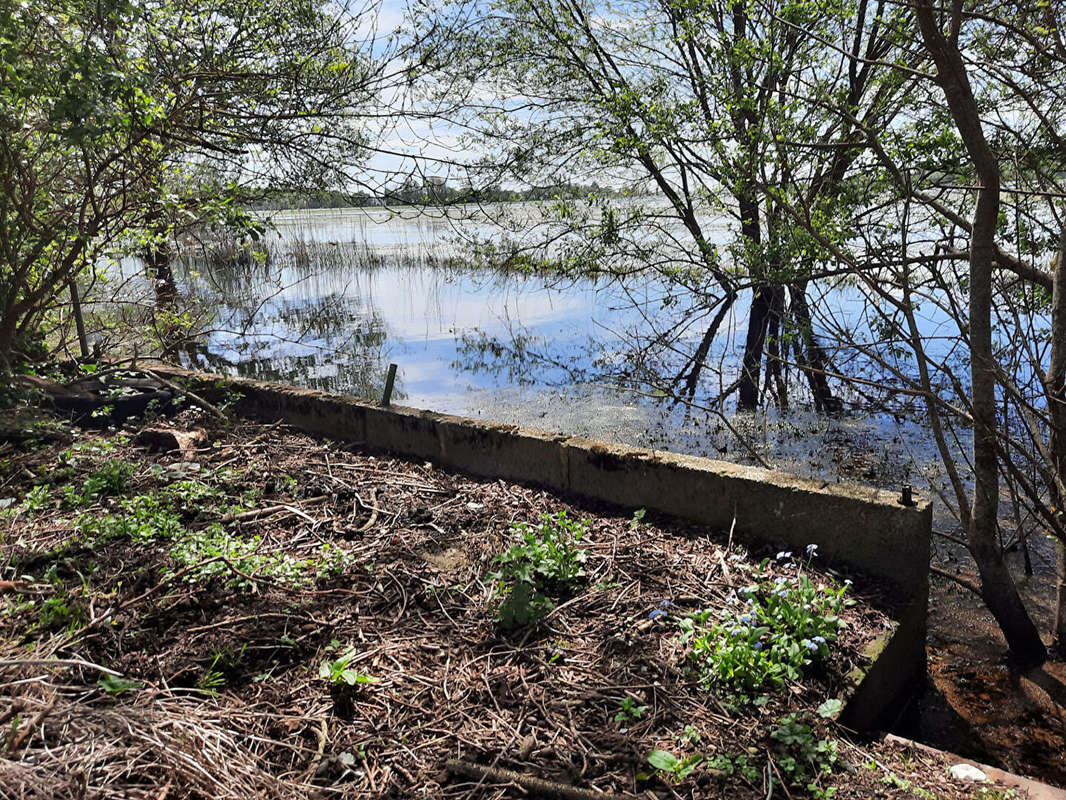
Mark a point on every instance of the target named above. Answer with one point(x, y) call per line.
point(967, 773)
point(168, 440)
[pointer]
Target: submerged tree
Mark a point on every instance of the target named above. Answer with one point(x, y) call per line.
point(963, 222)
point(697, 103)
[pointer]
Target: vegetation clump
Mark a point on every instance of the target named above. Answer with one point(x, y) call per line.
point(770, 633)
point(547, 562)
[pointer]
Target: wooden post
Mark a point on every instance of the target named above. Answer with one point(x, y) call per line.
point(390, 379)
point(79, 321)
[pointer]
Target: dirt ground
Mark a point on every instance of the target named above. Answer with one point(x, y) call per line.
point(978, 703)
point(231, 580)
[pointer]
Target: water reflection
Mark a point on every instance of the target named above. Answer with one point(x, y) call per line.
point(337, 295)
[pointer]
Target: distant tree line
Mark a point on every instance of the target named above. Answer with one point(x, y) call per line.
point(422, 193)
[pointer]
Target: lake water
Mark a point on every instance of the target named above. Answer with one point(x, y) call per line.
point(347, 292)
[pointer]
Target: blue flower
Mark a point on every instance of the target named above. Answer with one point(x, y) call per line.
point(656, 613)
point(819, 639)
point(812, 550)
point(747, 619)
point(810, 645)
point(784, 554)
point(757, 646)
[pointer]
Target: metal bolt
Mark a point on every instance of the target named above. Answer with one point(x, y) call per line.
point(906, 497)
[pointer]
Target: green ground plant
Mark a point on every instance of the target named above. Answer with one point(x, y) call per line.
point(629, 710)
point(547, 562)
point(803, 758)
point(677, 768)
point(338, 670)
point(108, 480)
point(774, 629)
point(59, 613)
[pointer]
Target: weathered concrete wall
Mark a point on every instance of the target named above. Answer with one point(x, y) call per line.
point(860, 528)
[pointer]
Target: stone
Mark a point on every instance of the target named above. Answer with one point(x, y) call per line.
point(967, 773)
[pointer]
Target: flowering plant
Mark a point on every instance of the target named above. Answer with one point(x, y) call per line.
point(771, 632)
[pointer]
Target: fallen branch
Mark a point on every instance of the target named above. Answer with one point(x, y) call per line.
point(255, 513)
point(529, 782)
point(961, 581)
point(56, 662)
point(187, 392)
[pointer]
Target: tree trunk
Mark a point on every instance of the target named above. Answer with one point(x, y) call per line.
point(79, 320)
point(1055, 387)
point(761, 301)
point(758, 321)
point(774, 358)
point(814, 363)
point(997, 586)
point(157, 265)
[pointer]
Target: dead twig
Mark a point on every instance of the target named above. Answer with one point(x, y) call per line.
point(56, 662)
point(530, 783)
point(32, 725)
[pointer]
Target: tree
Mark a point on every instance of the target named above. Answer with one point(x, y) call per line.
point(985, 104)
point(112, 111)
point(697, 102)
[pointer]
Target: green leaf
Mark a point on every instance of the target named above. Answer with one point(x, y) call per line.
point(116, 684)
point(660, 759)
point(830, 708)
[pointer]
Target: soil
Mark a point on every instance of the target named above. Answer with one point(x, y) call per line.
point(978, 703)
point(296, 553)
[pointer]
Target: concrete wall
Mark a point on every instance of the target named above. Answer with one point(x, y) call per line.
point(860, 528)
point(863, 528)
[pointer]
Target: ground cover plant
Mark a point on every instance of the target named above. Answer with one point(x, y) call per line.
point(272, 613)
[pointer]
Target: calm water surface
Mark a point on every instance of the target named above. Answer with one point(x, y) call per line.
point(347, 292)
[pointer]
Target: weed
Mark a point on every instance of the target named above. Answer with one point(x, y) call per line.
point(689, 736)
point(547, 561)
point(896, 782)
point(629, 710)
point(109, 479)
point(188, 494)
point(115, 685)
point(995, 793)
point(802, 758)
point(287, 485)
point(638, 518)
point(676, 767)
point(211, 682)
point(334, 560)
point(772, 632)
point(142, 519)
point(37, 499)
point(57, 613)
point(215, 542)
point(223, 662)
point(338, 671)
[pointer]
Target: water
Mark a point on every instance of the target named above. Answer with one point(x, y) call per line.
point(346, 292)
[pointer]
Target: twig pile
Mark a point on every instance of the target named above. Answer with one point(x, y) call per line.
point(415, 605)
